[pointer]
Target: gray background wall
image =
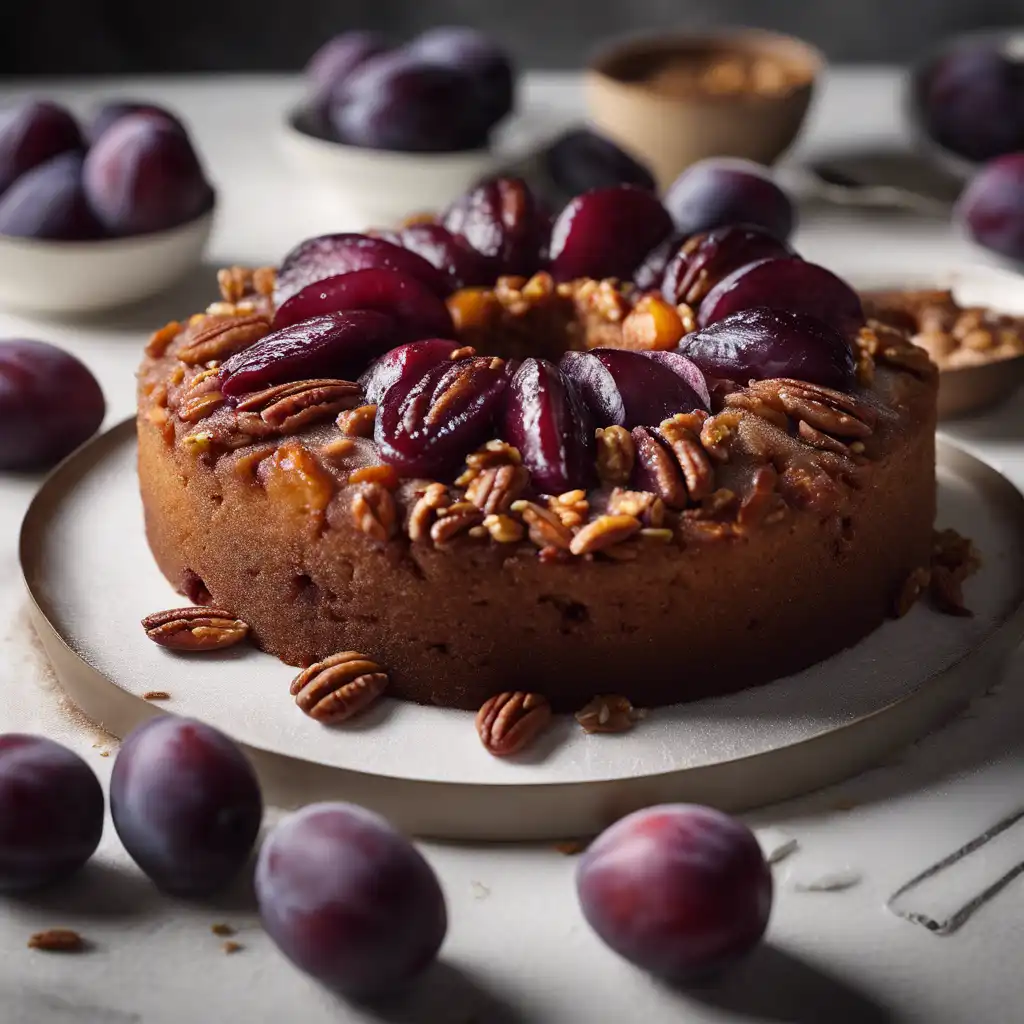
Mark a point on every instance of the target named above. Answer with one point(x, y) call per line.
point(116, 36)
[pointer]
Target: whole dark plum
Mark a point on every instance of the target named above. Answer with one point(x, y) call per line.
point(723, 190)
point(332, 65)
point(970, 100)
point(31, 134)
point(143, 175)
point(49, 202)
point(679, 890)
point(112, 112)
point(49, 404)
point(991, 208)
point(582, 159)
point(481, 58)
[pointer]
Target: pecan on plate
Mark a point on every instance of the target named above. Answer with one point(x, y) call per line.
point(510, 721)
point(335, 689)
point(219, 337)
point(57, 940)
point(608, 713)
point(289, 407)
point(194, 629)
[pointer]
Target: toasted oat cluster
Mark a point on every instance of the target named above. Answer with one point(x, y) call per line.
point(954, 336)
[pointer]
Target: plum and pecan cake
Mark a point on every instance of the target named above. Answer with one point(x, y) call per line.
point(500, 453)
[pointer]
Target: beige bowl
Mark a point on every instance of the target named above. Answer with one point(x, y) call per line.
point(674, 99)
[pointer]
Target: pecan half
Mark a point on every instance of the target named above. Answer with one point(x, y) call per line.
point(289, 407)
point(504, 529)
point(385, 475)
point(374, 512)
point(762, 503)
point(234, 283)
point(823, 408)
point(608, 713)
point(616, 454)
point(693, 461)
point(494, 489)
point(602, 533)
point(493, 453)
point(718, 431)
point(643, 505)
point(220, 337)
point(57, 940)
point(660, 471)
point(510, 721)
point(423, 511)
point(200, 406)
point(571, 507)
point(454, 520)
point(194, 629)
point(357, 422)
point(335, 689)
point(160, 340)
point(545, 528)
point(819, 439)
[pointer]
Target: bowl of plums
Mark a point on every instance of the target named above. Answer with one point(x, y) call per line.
point(100, 213)
point(393, 129)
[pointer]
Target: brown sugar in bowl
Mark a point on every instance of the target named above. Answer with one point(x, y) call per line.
point(674, 99)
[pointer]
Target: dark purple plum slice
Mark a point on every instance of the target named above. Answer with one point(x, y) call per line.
point(417, 310)
point(501, 220)
point(429, 429)
point(723, 190)
point(607, 233)
point(630, 389)
point(649, 276)
point(407, 364)
point(760, 344)
point(787, 283)
point(685, 368)
point(453, 256)
point(552, 428)
point(333, 345)
point(705, 259)
point(328, 255)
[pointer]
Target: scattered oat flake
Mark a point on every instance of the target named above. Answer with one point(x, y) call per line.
point(222, 929)
point(776, 845)
point(231, 947)
point(480, 891)
point(570, 847)
point(834, 880)
point(57, 940)
point(156, 695)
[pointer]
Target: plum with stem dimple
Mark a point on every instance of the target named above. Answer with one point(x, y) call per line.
point(679, 890)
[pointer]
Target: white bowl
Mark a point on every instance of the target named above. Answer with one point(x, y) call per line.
point(38, 276)
point(380, 185)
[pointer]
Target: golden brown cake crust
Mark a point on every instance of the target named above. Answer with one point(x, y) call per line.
point(798, 546)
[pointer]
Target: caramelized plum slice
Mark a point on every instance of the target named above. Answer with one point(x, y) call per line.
point(607, 233)
point(502, 221)
point(333, 345)
point(549, 424)
point(788, 283)
point(417, 310)
point(767, 343)
point(463, 265)
point(705, 259)
point(686, 368)
point(630, 389)
point(407, 363)
point(429, 429)
point(723, 190)
point(328, 255)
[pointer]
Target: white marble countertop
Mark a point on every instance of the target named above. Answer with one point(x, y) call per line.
point(517, 949)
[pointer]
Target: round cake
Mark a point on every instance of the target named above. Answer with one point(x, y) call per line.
point(584, 459)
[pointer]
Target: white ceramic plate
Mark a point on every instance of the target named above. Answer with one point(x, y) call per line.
point(92, 579)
